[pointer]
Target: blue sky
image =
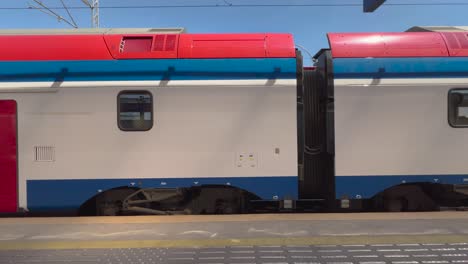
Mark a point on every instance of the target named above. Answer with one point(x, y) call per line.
point(309, 25)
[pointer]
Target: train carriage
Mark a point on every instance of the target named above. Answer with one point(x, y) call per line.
point(398, 136)
point(158, 121)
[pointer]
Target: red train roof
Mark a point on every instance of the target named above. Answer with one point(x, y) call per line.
point(407, 44)
point(144, 46)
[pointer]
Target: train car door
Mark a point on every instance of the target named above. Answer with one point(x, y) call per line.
point(8, 157)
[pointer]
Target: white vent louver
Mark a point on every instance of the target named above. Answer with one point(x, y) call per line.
point(44, 153)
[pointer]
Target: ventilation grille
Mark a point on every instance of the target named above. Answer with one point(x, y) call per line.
point(160, 42)
point(165, 42)
point(462, 39)
point(136, 44)
point(44, 153)
point(457, 40)
point(452, 41)
point(170, 42)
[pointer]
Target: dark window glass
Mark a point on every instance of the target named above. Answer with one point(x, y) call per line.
point(458, 107)
point(135, 111)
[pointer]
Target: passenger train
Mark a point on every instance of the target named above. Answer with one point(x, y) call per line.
point(159, 121)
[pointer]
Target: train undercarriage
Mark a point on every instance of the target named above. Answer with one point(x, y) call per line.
point(220, 199)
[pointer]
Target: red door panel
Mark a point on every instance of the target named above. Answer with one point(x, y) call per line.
point(8, 158)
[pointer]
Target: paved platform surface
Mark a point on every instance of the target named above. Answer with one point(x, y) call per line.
point(402, 238)
point(330, 254)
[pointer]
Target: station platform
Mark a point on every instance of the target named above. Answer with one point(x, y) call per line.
point(365, 238)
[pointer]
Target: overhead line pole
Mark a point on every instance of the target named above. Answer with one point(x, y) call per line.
point(94, 6)
point(95, 13)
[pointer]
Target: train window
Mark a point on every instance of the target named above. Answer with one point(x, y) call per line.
point(135, 110)
point(458, 107)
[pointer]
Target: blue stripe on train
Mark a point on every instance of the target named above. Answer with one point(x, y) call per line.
point(368, 186)
point(49, 195)
point(401, 68)
point(161, 69)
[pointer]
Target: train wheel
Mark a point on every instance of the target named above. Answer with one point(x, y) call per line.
point(108, 203)
point(394, 205)
point(405, 197)
point(109, 210)
point(226, 207)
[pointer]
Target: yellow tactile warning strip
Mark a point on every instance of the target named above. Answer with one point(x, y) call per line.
point(295, 241)
point(235, 218)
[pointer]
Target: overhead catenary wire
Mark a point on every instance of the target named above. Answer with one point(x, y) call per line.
point(43, 8)
point(306, 51)
point(54, 11)
point(232, 5)
point(69, 14)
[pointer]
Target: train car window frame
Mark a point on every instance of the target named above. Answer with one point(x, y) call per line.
point(148, 124)
point(454, 103)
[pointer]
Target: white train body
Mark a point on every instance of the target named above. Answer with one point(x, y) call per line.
point(199, 133)
point(396, 132)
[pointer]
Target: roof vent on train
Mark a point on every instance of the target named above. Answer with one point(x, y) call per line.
point(92, 31)
point(200, 46)
point(164, 43)
point(215, 46)
point(457, 43)
point(387, 45)
point(143, 46)
point(148, 44)
point(438, 29)
point(416, 42)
